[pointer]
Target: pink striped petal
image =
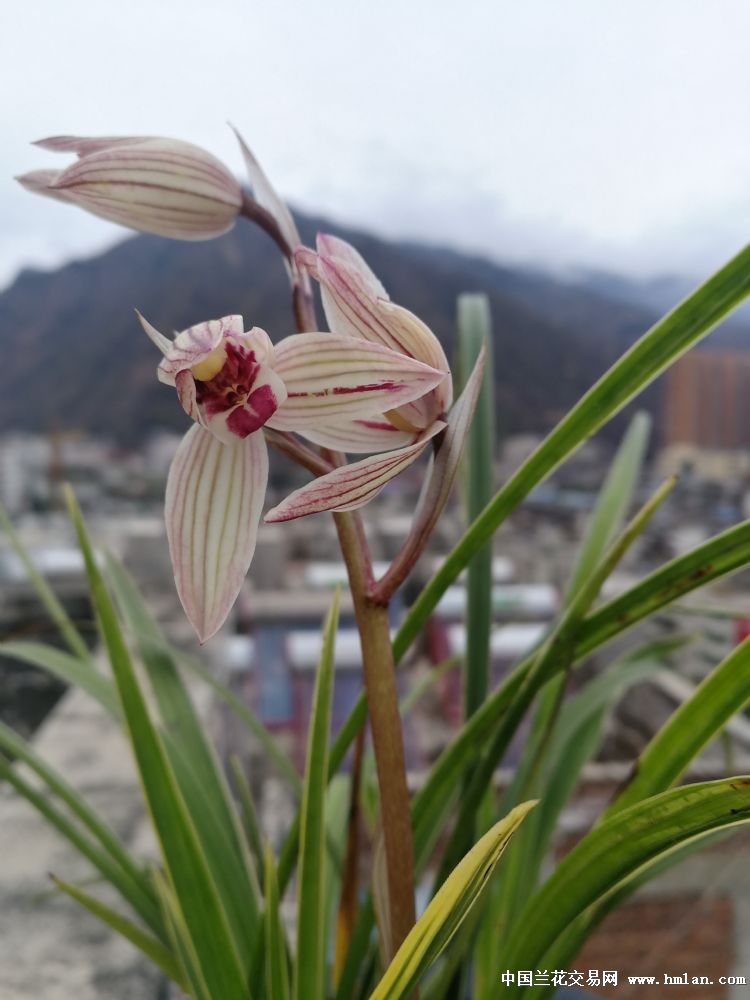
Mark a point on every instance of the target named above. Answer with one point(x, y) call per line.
point(353, 485)
point(162, 186)
point(83, 145)
point(418, 340)
point(362, 436)
point(195, 344)
point(329, 377)
point(357, 304)
point(266, 196)
point(43, 182)
point(331, 246)
point(214, 499)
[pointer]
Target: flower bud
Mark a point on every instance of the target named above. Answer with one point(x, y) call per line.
point(160, 186)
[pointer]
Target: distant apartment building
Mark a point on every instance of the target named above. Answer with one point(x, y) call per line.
point(24, 471)
point(706, 415)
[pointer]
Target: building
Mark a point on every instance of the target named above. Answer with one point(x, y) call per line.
point(706, 415)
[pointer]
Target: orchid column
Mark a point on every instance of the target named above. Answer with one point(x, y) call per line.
point(376, 383)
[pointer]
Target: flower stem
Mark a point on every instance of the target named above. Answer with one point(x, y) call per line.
point(387, 737)
point(375, 639)
point(303, 303)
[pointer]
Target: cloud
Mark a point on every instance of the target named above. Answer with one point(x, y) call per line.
point(558, 134)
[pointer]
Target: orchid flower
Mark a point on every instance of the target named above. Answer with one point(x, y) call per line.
point(162, 186)
point(358, 307)
point(233, 383)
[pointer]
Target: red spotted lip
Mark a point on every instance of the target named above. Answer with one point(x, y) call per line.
point(232, 388)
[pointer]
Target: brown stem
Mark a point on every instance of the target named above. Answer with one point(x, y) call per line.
point(387, 738)
point(303, 302)
point(375, 639)
point(419, 535)
point(251, 210)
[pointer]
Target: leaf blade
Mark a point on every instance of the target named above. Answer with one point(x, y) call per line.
point(657, 348)
point(309, 965)
point(616, 848)
point(199, 903)
point(447, 910)
point(151, 947)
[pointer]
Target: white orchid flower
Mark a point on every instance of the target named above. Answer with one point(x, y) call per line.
point(234, 383)
point(358, 307)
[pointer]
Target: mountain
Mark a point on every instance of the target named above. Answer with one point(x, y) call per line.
point(74, 355)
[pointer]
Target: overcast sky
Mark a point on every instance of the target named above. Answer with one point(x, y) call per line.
point(562, 132)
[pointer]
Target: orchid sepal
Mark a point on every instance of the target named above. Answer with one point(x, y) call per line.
point(356, 304)
point(329, 377)
point(363, 435)
point(162, 186)
point(351, 486)
point(266, 196)
point(213, 503)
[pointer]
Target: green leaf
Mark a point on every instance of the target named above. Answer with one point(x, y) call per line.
point(575, 740)
point(447, 910)
point(612, 505)
point(557, 653)
point(569, 943)
point(132, 882)
point(524, 858)
point(360, 957)
point(660, 346)
point(250, 822)
point(277, 970)
point(723, 693)
point(615, 849)
point(46, 595)
point(199, 775)
point(180, 938)
point(724, 554)
point(150, 639)
point(197, 895)
point(450, 976)
point(222, 844)
point(578, 731)
point(613, 501)
point(475, 330)
point(655, 351)
point(338, 815)
point(719, 556)
point(67, 668)
point(310, 959)
point(151, 947)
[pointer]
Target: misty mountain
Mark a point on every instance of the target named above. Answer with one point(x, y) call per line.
point(74, 355)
